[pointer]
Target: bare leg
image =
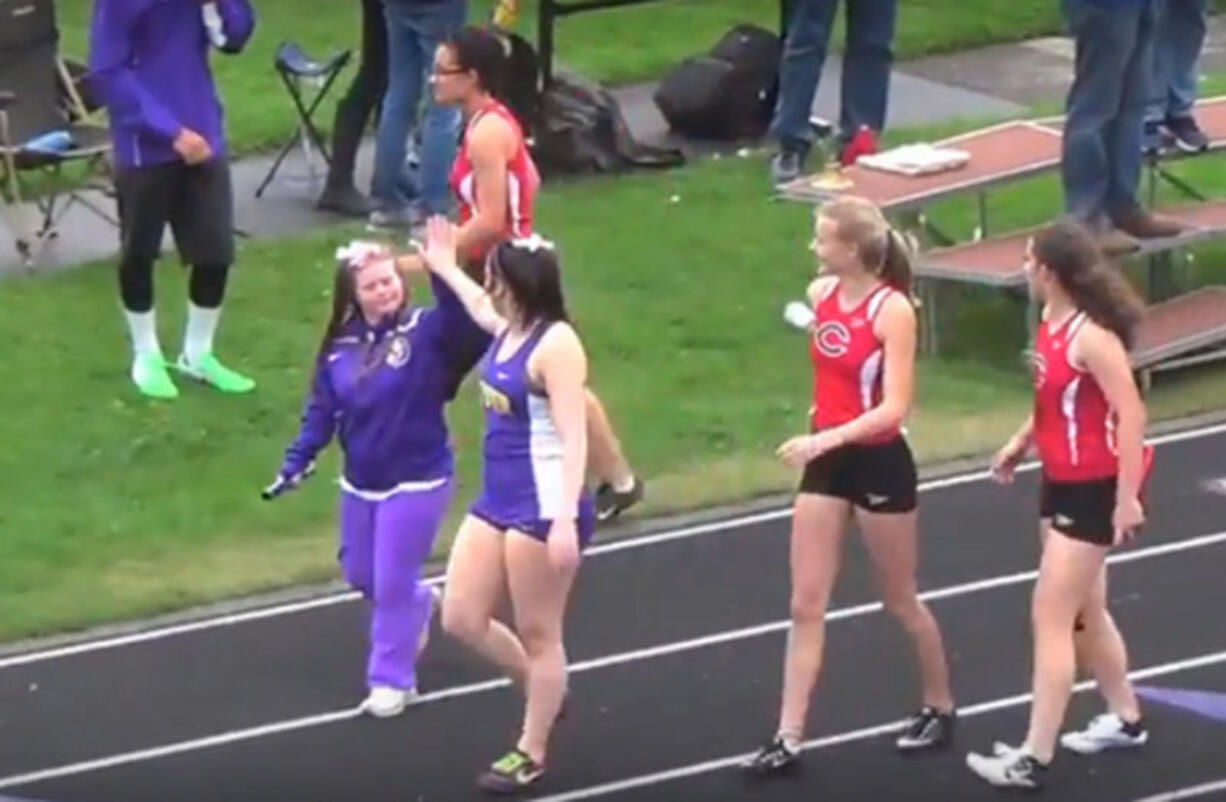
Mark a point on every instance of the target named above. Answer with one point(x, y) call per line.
point(539, 593)
point(475, 581)
point(818, 526)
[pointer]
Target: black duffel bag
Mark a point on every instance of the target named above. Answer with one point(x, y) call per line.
point(726, 93)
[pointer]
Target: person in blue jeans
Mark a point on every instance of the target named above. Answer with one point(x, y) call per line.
point(1102, 153)
point(414, 30)
point(1178, 38)
point(867, 61)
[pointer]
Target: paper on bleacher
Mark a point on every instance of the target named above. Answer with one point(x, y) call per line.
point(917, 159)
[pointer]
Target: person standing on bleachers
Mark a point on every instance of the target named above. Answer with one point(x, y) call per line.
point(1178, 39)
point(149, 61)
point(1101, 162)
point(364, 95)
point(415, 28)
point(867, 61)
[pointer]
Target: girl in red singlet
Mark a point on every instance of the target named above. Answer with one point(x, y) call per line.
point(1088, 424)
point(495, 182)
point(856, 461)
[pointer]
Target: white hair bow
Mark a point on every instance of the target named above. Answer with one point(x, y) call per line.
point(533, 242)
point(358, 251)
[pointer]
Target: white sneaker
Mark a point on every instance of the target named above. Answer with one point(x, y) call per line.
point(1107, 731)
point(1008, 768)
point(385, 702)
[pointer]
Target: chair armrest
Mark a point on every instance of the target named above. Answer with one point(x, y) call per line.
point(7, 99)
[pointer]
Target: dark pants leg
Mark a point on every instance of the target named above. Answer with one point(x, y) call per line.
point(867, 63)
point(1101, 164)
point(363, 97)
point(202, 220)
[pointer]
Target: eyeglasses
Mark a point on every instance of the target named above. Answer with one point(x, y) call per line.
point(437, 70)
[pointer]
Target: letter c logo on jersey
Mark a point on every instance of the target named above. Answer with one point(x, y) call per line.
point(832, 338)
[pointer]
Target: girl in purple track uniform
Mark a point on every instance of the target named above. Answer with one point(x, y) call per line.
point(384, 372)
point(533, 516)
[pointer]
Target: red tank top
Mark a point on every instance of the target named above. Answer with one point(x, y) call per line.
point(523, 180)
point(848, 360)
point(1074, 426)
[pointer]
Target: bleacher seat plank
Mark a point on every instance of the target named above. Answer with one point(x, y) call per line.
point(1186, 323)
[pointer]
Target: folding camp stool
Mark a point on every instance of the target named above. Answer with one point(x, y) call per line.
point(298, 71)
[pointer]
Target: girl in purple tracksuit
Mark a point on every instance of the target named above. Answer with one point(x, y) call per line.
point(384, 372)
point(533, 516)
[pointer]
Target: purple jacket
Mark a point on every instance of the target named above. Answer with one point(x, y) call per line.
point(149, 62)
point(382, 389)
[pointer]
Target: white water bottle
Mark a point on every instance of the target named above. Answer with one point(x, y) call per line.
point(213, 26)
point(799, 314)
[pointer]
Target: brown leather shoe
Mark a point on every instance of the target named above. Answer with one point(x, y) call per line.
point(1144, 225)
point(1113, 242)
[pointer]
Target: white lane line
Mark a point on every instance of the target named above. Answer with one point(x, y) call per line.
point(980, 709)
point(329, 600)
point(594, 664)
point(1190, 792)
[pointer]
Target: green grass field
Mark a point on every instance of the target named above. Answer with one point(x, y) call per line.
point(118, 507)
point(633, 43)
point(122, 507)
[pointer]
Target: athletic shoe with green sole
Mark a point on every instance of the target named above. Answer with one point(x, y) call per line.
point(210, 371)
point(150, 376)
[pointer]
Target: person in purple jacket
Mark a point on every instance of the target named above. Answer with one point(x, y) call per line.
point(525, 531)
point(383, 375)
point(149, 62)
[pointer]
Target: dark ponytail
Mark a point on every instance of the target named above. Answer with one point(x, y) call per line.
point(344, 307)
point(1095, 286)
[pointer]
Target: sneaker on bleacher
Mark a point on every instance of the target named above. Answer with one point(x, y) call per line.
point(1143, 224)
point(1113, 242)
point(1186, 134)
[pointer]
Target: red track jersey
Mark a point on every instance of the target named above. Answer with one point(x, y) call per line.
point(523, 180)
point(1074, 426)
point(848, 360)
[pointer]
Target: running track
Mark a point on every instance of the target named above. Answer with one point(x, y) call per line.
point(676, 641)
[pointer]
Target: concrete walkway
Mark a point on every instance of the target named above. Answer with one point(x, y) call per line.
point(987, 83)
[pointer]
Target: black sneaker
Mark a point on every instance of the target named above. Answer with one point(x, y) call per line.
point(775, 756)
point(788, 164)
point(345, 200)
point(1187, 134)
point(1008, 768)
point(510, 773)
point(925, 729)
point(611, 503)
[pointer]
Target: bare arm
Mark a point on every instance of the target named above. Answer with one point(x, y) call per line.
point(1023, 437)
point(895, 325)
point(1103, 355)
point(560, 365)
point(818, 288)
point(489, 148)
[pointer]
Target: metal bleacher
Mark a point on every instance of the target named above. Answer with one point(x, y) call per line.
point(1177, 331)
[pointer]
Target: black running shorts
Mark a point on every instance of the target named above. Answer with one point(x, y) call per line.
point(877, 477)
point(1080, 510)
point(196, 202)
